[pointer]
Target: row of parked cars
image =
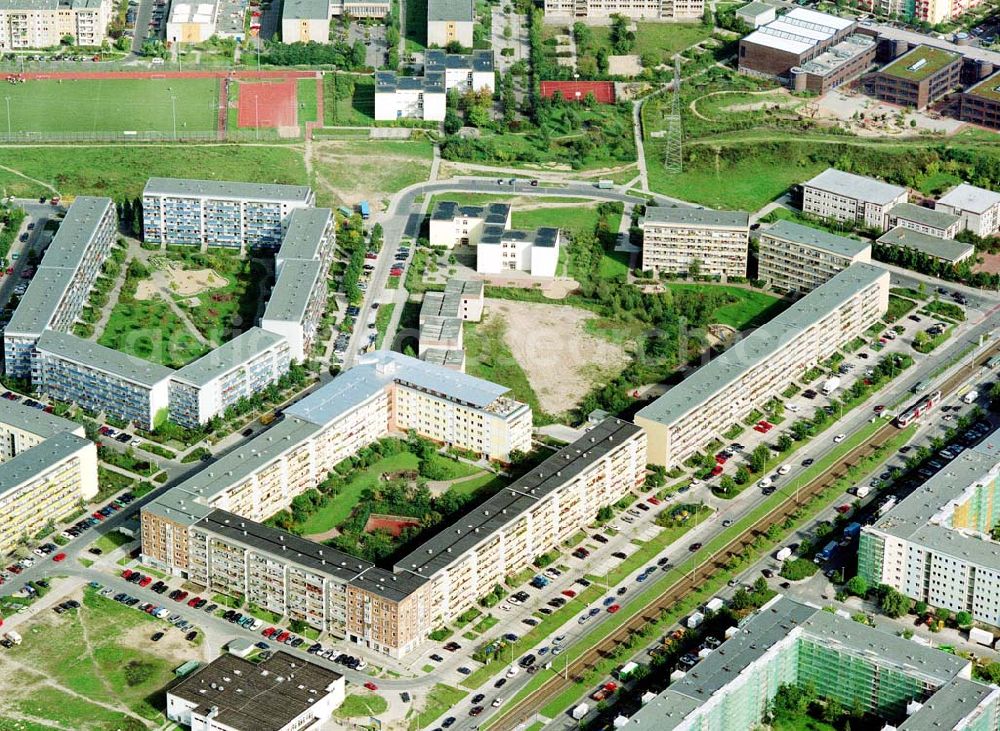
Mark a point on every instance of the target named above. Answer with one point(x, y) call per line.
point(84, 524)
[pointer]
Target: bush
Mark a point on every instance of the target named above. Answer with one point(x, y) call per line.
point(138, 672)
point(798, 569)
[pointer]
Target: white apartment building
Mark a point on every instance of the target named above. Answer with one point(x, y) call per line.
point(303, 21)
point(237, 369)
point(450, 21)
point(834, 194)
point(797, 258)
point(978, 208)
point(192, 22)
point(463, 72)
point(935, 545)
point(58, 291)
point(932, 222)
point(453, 225)
point(676, 239)
point(44, 23)
point(411, 97)
point(218, 213)
point(100, 379)
point(632, 9)
point(759, 367)
point(46, 469)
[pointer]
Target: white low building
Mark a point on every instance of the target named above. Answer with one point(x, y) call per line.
point(454, 225)
point(464, 72)
point(852, 198)
point(191, 22)
point(410, 97)
point(978, 208)
point(509, 249)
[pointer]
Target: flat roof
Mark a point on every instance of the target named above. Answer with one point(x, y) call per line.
point(263, 696)
point(393, 586)
point(479, 524)
point(193, 12)
point(292, 290)
point(947, 249)
point(310, 555)
point(77, 230)
point(923, 216)
point(33, 462)
point(305, 10)
point(304, 234)
point(38, 306)
point(697, 217)
point(190, 188)
point(495, 213)
point(443, 10)
point(88, 353)
point(988, 88)
point(854, 186)
point(816, 238)
point(34, 421)
point(920, 62)
point(445, 357)
point(954, 705)
point(754, 9)
point(967, 197)
point(798, 30)
point(495, 234)
point(389, 82)
point(838, 55)
point(229, 356)
point(761, 344)
point(438, 328)
point(436, 59)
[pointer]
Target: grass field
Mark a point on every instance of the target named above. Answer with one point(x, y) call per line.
point(752, 308)
point(113, 105)
point(488, 357)
point(663, 39)
point(357, 110)
point(150, 330)
point(306, 98)
point(358, 170)
point(572, 219)
point(362, 704)
point(439, 699)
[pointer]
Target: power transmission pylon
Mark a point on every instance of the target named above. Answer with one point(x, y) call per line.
point(673, 157)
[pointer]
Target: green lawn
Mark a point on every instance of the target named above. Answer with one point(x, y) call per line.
point(222, 311)
point(355, 110)
point(150, 330)
point(416, 27)
point(110, 541)
point(112, 105)
point(306, 98)
point(487, 356)
point(439, 699)
point(383, 166)
point(753, 308)
point(663, 39)
point(614, 264)
point(382, 321)
point(362, 704)
point(571, 220)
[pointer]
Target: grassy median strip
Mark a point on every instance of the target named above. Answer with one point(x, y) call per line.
point(557, 704)
point(439, 699)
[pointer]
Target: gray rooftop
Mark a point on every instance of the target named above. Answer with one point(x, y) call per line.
point(947, 249)
point(309, 555)
point(231, 355)
point(376, 371)
point(491, 213)
point(263, 696)
point(816, 238)
point(955, 705)
point(188, 188)
point(305, 10)
point(304, 234)
point(88, 353)
point(35, 461)
point(854, 186)
point(525, 493)
point(34, 421)
point(697, 217)
point(77, 230)
point(436, 59)
point(392, 586)
point(440, 328)
point(459, 10)
point(760, 345)
point(924, 216)
point(449, 302)
point(40, 301)
point(754, 9)
point(292, 289)
point(495, 234)
point(431, 82)
point(967, 197)
point(445, 357)
point(29, 4)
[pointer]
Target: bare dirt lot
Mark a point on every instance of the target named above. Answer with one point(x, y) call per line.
point(561, 359)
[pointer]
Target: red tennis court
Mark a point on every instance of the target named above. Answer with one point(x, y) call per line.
point(603, 91)
point(270, 104)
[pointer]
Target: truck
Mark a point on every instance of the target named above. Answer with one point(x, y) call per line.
point(886, 506)
point(852, 531)
point(830, 385)
point(580, 711)
point(695, 620)
point(827, 553)
point(364, 210)
point(605, 184)
point(970, 397)
point(783, 554)
point(13, 637)
point(863, 491)
point(981, 637)
point(626, 670)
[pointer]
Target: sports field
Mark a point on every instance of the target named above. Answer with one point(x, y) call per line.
point(48, 106)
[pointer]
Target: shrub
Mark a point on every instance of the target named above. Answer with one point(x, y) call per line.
point(798, 569)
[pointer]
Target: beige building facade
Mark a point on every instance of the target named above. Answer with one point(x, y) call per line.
point(834, 194)
point(796, 258)
point(678, 240)
point(44, 23)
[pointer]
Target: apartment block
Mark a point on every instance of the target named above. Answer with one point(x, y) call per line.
point(948, 251)
point(977, 208)
point(303, 21)
point(46, 469)
point(674, 240)
point(219, 213)
point(44, 23)
point(298, 299)
point(917, 78)
point(80, 371)
point(906, 685)
point(58, 291)
point(450, 21)
point(239, 368)
point(632, 9)
point(929, 221)
point(411, 97)
point(463, 72)
point(841, 196)
point(797, 258)
point(757, 368)
point(282, 693)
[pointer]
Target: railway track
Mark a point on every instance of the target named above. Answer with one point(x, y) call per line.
point(718, 561)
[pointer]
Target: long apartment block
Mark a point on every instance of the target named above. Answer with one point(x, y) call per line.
point(44, 23)
point(219, 213)
point(674, 240)
point(47, 468)
point(841, 196)
point(237, 369)
point(391, 611)
point(935, 545)
point(908, 686)
point(632, 9)
point(759, 367)
point(58, 291)
point(796, 258)
point(97, 378)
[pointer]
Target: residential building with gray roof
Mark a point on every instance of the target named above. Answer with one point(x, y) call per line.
point(681, 240)
point(948, 251)
point(856, 199)
point(978, 208)
point(796, 258)
point(923, 220)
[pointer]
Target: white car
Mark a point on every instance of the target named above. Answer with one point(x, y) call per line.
point(766, 482)
point(839, 438)
point(792, 407)
point(497, 702)
point(784, 469)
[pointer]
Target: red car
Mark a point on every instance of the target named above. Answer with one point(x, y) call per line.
point(843, 509)
point(653, 500)
point(614, 608)
point(568, 592)
point(879, 409)
point(269, 631)
point(145, 581)
point(195, 600)
point(759, 428)
point(59, 557)
point(371, 686)
point(182, 596)
point(127, 574)
point(98, 516)
point(283, 636)
point(717, 470)
point(721, 459)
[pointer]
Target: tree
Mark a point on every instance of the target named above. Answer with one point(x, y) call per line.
point(727, 485)
point(742, 475)
point(67, 40)
point(708, 17)
point(758, 458)
point(892, 603)
point(452, 122)
point(857, 586)
point(785, 442)
point(694, 268)
point(963, 619)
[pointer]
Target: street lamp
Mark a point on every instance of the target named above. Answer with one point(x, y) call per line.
point(173, 112)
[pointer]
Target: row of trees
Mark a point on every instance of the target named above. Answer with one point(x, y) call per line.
point(340, 54)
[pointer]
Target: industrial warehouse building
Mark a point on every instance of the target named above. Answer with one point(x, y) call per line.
point(676, 239)
point(759, 367)
point(856, 199)
point(797, 258)
point(917, 78)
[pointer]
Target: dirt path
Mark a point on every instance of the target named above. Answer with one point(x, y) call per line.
point(12, 171)
point(439, 486)
point(693, 106)
point(324, 536)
